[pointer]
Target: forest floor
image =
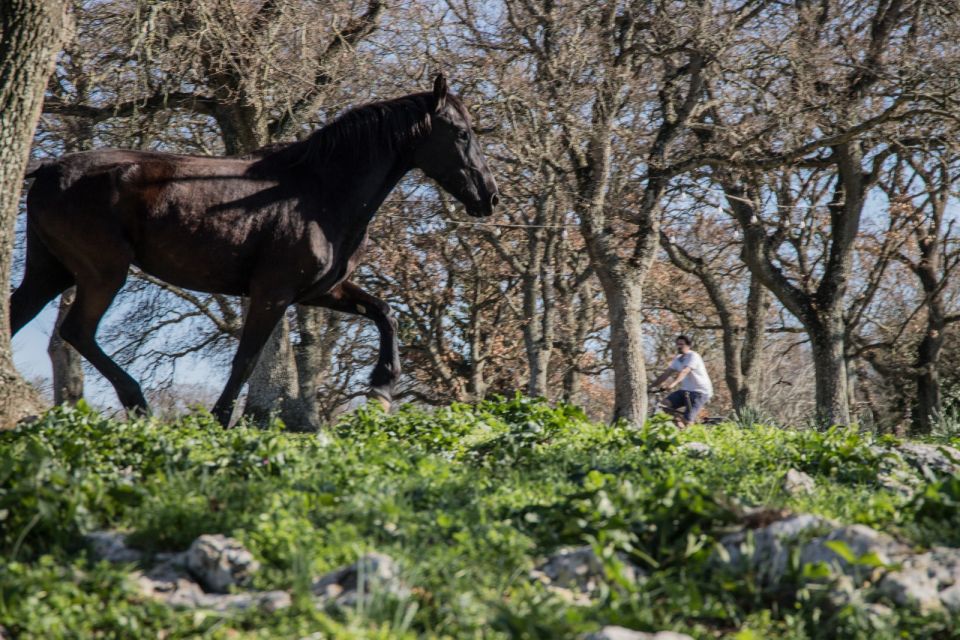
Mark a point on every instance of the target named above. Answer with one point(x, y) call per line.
point(506, 519)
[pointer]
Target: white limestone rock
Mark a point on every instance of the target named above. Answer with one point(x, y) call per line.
point(578, 572)
point(931, 460)
point(926, 581)
point(219, 562)
point(612, 632)
point(373, 573)
point(696, 449)
point(867, 546)
point(796, 482)
point(767, 550)
point(112, 547)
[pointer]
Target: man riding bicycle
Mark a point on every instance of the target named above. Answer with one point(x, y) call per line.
point(690, 374)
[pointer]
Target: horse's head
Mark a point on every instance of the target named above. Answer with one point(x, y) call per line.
point(451, 155)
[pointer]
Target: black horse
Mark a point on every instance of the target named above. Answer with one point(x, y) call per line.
point(286, 225)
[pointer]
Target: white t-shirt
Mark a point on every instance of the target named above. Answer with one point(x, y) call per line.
point(697, 379)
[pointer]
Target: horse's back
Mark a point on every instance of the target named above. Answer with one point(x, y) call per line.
point(202, 223)
point(125, 164)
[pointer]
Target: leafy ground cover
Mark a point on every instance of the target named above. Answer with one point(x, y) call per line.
point(468, 500)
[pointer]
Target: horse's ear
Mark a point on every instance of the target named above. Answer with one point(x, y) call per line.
point(440, 91)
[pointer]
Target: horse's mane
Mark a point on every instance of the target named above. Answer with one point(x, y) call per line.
point(361, 132)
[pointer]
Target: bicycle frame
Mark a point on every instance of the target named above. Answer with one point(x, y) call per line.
point(658, 405)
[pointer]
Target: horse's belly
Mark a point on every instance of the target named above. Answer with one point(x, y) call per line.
point(204, 274)
point(215, 262)
point(193, 260)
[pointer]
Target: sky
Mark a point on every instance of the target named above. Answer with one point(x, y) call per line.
point(32, 361)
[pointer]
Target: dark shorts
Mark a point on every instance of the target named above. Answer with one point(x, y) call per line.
point(691, 402)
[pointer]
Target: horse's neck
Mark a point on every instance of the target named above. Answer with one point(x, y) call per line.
point(367, 186)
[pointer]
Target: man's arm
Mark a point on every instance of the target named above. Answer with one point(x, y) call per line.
point(663, 376)
point(680, 376)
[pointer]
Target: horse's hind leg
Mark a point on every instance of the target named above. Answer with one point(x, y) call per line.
point(79, 328)
point(43, 280)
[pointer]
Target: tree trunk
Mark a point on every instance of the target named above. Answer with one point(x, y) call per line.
point(327, 334)
point(274, 388)
point(64, 359)
point(312, 362)
point(830, 368)
point(539, 293)
point(539, 304)
point(624, 297)
point(758, 303)
point(31, 33)
point(579, 320)
point(929, 401)
point(538, 330)
point(477, 384)
point(821, 312)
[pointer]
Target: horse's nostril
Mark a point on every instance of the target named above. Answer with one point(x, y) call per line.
point(494, 200)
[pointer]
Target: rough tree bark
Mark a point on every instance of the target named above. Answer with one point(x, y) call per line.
point(821, 310)
point(929, 400)
point(64, 359)
point(622, 267)
point(31, 34)
point(535, 267)
point(580, 313)
point(935, 261)
point(539, 302)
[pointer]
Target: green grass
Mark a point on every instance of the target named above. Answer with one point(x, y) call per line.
point(467, 498)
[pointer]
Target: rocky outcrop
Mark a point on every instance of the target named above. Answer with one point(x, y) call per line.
point(622, 633)
point(766, 550)
point(931, 459)
point(208, 575)
point(218, 563)
point(865, 564)
point(199, 578)
point(577, 573)
point(926, 581)
point(112, 547)
point(906, 467)
point(171, 583)
point(696, 449)
point(797, 483)
point(853, 550)
point(373, 573)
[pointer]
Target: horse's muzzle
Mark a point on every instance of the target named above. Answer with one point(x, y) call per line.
point(484, 208)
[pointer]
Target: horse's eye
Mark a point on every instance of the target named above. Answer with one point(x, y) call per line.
point(463, 134)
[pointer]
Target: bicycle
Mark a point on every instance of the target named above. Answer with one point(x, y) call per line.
point(658, 405)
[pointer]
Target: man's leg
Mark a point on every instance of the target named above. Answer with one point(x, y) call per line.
point(683, 409)
point(673, 405)
point(696, 402)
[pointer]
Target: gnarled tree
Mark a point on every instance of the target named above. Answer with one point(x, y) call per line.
point(31, 34)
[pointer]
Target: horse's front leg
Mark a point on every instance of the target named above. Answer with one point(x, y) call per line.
point(349, 298)
point(262, 317)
